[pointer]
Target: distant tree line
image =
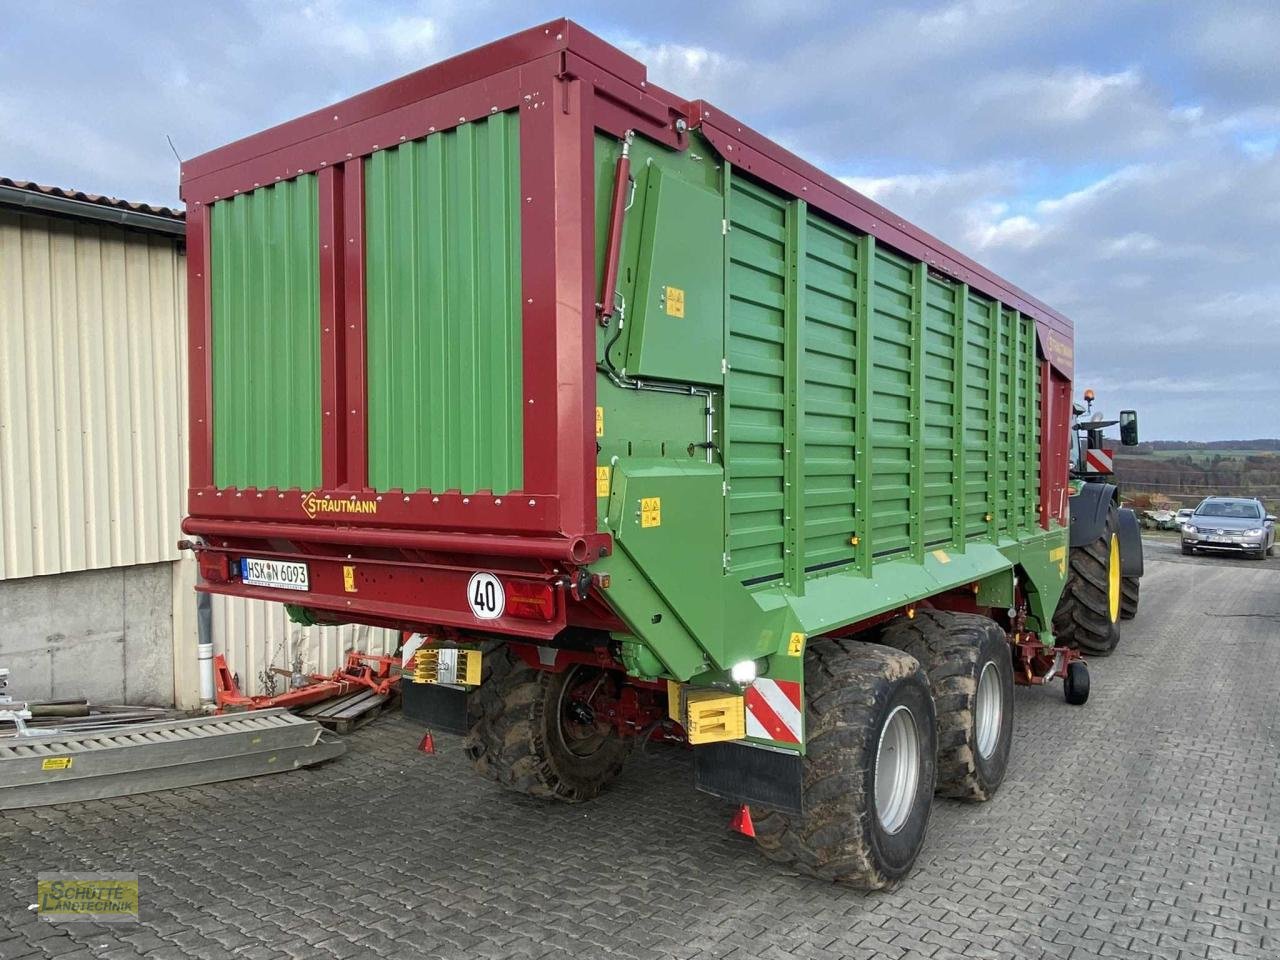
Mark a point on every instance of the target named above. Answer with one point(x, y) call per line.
point(1150, 446)
point(1252, 475)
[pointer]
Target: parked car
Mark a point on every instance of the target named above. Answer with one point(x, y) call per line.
point(1231, 525)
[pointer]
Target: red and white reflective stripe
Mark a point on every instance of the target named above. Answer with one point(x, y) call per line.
point(773, 710)
point(1099, 461)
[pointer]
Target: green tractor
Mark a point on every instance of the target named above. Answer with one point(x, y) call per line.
point(1105, 560)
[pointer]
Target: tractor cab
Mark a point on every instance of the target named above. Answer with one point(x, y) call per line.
point(1091, 458)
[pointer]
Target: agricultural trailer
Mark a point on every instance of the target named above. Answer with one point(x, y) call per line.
point(1105, 562)
point(637, 425)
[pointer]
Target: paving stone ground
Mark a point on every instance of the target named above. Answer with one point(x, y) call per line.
point(1145, 824)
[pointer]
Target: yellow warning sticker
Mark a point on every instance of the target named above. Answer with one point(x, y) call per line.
point(1059, 555)
point(796, 646)
point(349, 578)
point(599, 421)
point(651, 511)
point(602, 481)
point(56, 763)
point(675, 302)
point(941, 556)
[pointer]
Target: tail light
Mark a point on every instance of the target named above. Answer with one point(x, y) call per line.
point(530, 600)
point(213, 567)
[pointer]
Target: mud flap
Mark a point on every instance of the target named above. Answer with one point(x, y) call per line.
point(1130, 533)
point(437, 706)
point(751, 775)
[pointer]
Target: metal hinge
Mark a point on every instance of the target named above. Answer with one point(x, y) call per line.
point(724, 227)
point(724, 559)
point(724, 365)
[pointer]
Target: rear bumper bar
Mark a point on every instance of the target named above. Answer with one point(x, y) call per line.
point(584, 549)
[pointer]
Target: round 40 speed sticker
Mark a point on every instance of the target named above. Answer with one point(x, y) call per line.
point(485, 596)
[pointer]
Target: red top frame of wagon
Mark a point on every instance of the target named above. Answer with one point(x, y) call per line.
point(567, 83)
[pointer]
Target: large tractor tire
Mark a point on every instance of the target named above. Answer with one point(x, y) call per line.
point(869, 768)
point(966, 657)
point(1129, 587)
point(1088, 613)
point(535, 733)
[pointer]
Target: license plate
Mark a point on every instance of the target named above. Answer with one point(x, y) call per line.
point(281, 574)
point(1220, 540)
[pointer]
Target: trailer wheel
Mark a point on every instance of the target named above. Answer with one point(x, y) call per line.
point(869, 768)
point(967, 659)
point(1089, 611)
point(1075, 685)
point(535, 733)
point(1129, 587)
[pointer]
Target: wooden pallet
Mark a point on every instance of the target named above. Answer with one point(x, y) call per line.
point(343, 714)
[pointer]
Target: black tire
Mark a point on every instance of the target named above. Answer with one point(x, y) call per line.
point(955, 649)
point(1086, 618)
point(1187, 551)
point(522, 740)
point(852, 690)
point(1129, 588)
point(1075, 685)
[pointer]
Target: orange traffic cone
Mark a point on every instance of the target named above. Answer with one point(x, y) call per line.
point(742, 822)
point(428, 744)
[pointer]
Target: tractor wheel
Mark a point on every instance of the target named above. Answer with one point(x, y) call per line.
point(868, 770)
point(536, 733)
point(1089, 610)
point(970, 671)
point(1129, 587)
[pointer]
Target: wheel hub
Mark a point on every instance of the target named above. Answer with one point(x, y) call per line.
point(897, 769)
point(988, 710)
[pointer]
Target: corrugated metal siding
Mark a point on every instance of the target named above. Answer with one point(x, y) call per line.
point(266, 337)
point(256, 636)
point(444, 337)
point(756, 426)
point(892, 427)
point(92, 408)
point(914, 402)
point(830, 392)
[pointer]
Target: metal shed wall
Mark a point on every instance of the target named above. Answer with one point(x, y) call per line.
point(93, 451)
point(92, 412)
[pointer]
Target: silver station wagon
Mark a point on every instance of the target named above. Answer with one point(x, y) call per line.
point(1232, 525)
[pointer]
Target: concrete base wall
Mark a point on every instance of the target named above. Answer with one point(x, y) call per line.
point(104, 634)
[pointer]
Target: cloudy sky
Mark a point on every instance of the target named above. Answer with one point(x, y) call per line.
point(1120, 159)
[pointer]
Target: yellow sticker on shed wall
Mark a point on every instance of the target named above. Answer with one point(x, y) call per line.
point(602, 481)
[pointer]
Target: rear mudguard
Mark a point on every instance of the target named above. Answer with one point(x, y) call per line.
point(1130, 544)
point(1089, 512)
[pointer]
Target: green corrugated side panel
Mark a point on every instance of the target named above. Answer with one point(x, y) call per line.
point(939, 414)
point(828, 430)
point(892, 432)
point(979, 443)
point(1033, 512)
point(757, 262)
point(442, 248)
point(265, 287)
